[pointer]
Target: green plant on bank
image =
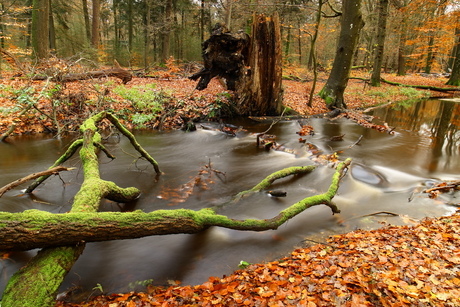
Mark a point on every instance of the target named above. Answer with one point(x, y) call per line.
point(142, 283)
point(99, 287)
point(221, 106)
point(409, 92)
point(141, 119)
point(144, 98)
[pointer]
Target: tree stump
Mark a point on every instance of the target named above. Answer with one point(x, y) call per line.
point(261, 92)
point(251, 66)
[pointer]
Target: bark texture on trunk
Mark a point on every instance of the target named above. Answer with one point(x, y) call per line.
point(262, 93)
point(351, 24)
point(381, 33)
point(252, 67)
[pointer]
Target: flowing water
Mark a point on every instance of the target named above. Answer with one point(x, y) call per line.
point(385, 173)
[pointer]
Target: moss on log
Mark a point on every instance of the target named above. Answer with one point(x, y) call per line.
point(37, 282)
point(34, 228)
point(265, 183)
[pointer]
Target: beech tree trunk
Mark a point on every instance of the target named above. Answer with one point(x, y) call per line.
point(381, 33)
point(454, 78)
point(40, 28)
point(351, 24)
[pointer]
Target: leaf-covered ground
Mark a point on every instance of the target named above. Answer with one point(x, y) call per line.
point(168, 100)
point(392, 266)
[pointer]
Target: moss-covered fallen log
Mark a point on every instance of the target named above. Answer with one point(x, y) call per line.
point(63, 236)
point(37, 283)
point(34, 228)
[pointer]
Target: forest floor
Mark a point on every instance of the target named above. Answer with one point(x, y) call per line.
point(167, 100)
point(416, 265)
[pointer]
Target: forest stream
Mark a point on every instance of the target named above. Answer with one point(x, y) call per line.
point(388, 173)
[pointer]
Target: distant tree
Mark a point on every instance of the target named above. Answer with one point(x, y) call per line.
point(95, 23)
point(167, 31)
point(401, 7)
point(381, 33)
point(40, 28)
point(455, 74)
point(86, 17)
point(351, 24)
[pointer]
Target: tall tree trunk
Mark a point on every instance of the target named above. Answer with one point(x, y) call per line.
point(262, 91)
point(402, 49)
point(52, 30)
point(455, 74)
point(202, 20)
point(147, 34)
point(95, 23)
point(167, 32)
point(40, 28)
point(116, 29)
point(381, 33)
point(313, 65)
point(351, 24)
point(287, 49)
point(84, 4)
point(130, 25)
point(430, 55)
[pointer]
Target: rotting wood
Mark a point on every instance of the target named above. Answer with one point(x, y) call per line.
point(117, 72)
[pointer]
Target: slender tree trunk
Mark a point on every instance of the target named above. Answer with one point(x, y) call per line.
point(402, 49)
point(381, 34)
point(167, 33)
point(40, 28)
point(130, 25)
point(147, 34)
point(287, 49)
point(351, 24)
point(86, 18)
point(455, 74)
point(313, 52)
point(116, 29)
point(202, 20)
point(52, 34)
point(95, 24)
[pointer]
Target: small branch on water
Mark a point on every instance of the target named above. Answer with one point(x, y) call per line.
point(49, 172)
point(357, 142)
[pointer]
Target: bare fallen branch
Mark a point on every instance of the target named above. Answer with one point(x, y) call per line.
point(52, 171)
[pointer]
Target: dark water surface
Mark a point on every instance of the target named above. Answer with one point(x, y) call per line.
point(386, 170)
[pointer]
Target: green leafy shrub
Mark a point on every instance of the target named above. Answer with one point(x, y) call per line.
point(144, 98)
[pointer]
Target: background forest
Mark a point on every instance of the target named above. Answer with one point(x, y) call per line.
point(421, 34)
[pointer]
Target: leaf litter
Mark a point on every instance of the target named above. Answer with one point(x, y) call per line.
point(393, 266)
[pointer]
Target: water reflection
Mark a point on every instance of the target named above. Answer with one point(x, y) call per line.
point(386, 171)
